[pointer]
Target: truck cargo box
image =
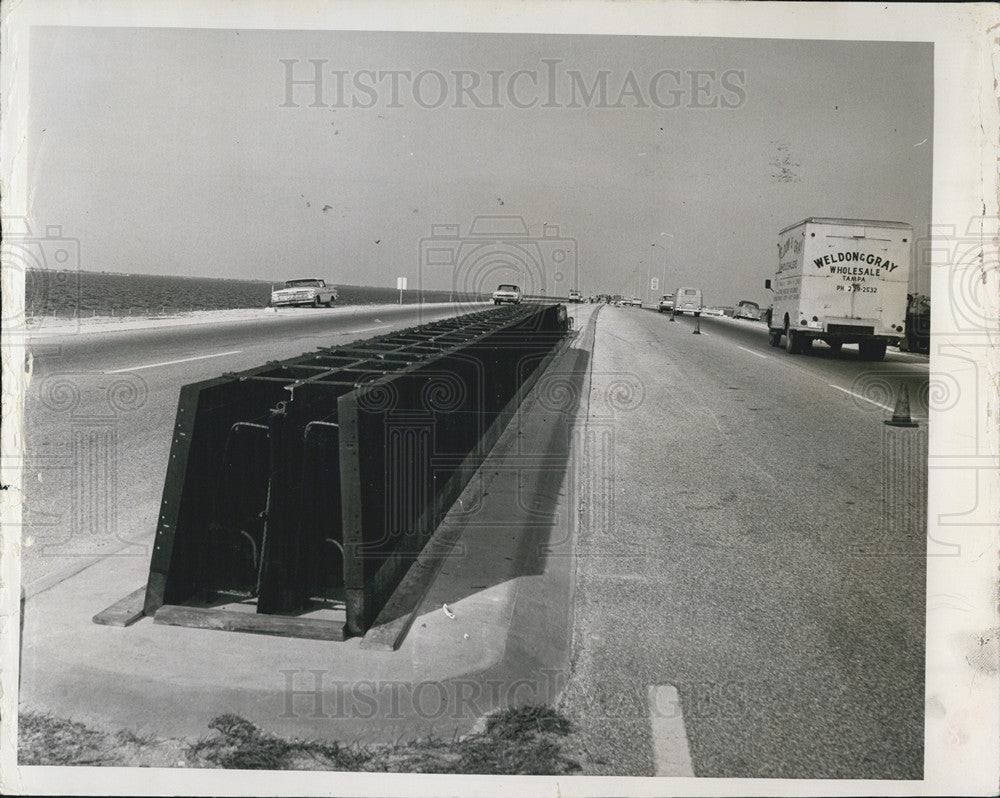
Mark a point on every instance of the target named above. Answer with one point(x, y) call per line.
point(841, 281)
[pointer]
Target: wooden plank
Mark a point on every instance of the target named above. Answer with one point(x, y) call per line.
point(253, 623)
point(125, 611)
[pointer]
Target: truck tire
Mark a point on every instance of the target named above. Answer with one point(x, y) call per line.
point(872, 350)
point(794, 343)
point(774, 337)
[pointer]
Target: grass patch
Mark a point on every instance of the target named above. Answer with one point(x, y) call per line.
point(523, 741)
point(241, 745)
point(47, 740)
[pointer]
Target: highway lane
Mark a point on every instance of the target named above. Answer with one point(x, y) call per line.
point(99, 413)
point(282, 330)
point(754, 537)
point(871, 383)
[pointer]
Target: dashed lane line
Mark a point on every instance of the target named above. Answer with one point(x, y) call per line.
point(862, 398)
point(366, 329)
point(758, 354)
point(671, 752)
point(172, 362)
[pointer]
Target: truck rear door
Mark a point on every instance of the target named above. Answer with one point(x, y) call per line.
point(856, 271)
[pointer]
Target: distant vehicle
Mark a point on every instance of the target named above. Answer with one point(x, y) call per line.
point(842, 281)
point(634, 302)
point(666, 304)
point(688, 300)
point(507, 293)
point(745, 309)
point(575, 296)
point(304, 291)
point(712, 312)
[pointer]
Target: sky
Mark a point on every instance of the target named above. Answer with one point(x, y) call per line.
point(189, 152)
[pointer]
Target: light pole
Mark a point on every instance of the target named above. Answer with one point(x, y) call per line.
point(649, 278)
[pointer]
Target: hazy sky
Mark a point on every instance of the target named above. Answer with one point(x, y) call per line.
point(186, 152)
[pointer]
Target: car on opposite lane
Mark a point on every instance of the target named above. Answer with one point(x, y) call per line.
point(507, 292)
point(304, 291)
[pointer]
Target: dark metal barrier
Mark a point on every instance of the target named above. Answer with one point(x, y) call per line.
point(298, 493)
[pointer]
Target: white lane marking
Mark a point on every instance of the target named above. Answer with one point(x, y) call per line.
point(173, 362)
point(671, 753)
point(752, 352)
point(862, 398)
point(366, 329)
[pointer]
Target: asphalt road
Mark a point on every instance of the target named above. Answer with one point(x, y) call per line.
point(737, 542)
point(99, 414)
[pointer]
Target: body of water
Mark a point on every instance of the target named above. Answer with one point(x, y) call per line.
point(80, 293)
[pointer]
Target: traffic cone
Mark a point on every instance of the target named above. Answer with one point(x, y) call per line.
point(901, 415)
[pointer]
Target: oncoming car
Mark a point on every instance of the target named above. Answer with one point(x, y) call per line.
point(575, 296)
point(666, 304)
point(746, 309)
point(634, 302)
point(507, 293)
point(304, 291)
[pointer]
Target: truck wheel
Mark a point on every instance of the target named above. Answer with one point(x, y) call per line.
point(871, 350)
point(316, 302)
point(793, 343)
point(774, 337)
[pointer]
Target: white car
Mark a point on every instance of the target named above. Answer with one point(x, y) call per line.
point(304, 291)
point(747, 310)
point(634, 302)
point(666, 304)
point(507, 293)
point(575, 296)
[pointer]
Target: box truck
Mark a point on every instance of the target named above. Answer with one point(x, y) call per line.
point(841, 281)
